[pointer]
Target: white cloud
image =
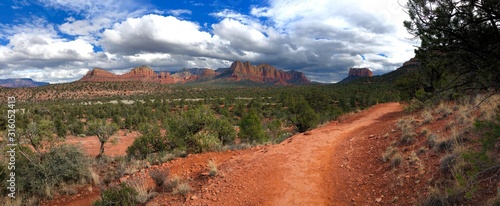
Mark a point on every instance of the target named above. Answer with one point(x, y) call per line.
point(178, 12)
point(85, 27)
point(154, 33)
point(319, 37)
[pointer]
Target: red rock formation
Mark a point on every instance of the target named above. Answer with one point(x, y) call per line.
point(142, 73)
point(238, 71)
point(413, 62)
point(360, 72)
point(264, 73)
point(195, 74)
point(98, 75)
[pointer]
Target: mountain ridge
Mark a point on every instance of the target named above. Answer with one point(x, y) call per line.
point(21, 82)
point(239, 71)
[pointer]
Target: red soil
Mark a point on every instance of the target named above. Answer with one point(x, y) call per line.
point(336, 164)
point(113, 148)
point(331, 165)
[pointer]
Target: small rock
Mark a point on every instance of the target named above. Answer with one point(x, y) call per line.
point(194, 197)
point(378, 199)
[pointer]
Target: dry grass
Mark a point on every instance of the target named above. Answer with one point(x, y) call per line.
point(406, 125)
point(172, 183)
point(444, 110)
point(397, 159)
point(488, 107)
point(96, 180)
point(427, 117)
point(389, 151)
point(182, 189)
point(159, 176)
point(144, 194)
point(447, 163)
point(424, 131)
point(212, 168)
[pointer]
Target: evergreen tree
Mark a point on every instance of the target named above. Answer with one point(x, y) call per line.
point(460, 44)
point(251, 128)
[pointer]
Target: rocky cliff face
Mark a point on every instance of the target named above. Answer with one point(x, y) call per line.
point(413, 63)
point(98, 75)
point(238, 71)
point(360, 72)
point(264, 73)
point(142, 73)
point(355, 73)
point(191, 75)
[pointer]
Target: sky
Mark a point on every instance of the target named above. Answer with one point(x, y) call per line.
point(59, 41)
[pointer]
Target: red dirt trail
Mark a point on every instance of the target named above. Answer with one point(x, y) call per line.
point(336, 164)
point(314, 168)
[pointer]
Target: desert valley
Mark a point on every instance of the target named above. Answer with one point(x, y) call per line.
point(241, 103)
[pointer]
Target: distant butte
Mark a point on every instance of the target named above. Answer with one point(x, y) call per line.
point(360, 72)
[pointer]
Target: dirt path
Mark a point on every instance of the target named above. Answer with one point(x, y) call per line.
point(336, 164)
point(314, 168)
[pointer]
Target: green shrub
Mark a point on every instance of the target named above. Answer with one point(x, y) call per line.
point(148, 144)
point(199, 130)
point(251, 128)
point(122, 195)
point(205, 142)
point(42, 174)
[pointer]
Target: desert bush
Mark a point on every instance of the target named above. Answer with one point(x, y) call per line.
point(431, 140)
point(140, 186)
point(444, 110)
point(424, 131)
point(427, 117)
point(435, 198)
point(407, 138)
point(396, 159)
point(212, 168)
point(205, 141)
point(225, 130)
point(251, 128)
point(172, 183)
point(159, 176)
point(199, 130)
point(447, 163)
point(445, 144)
point(389, 151)
point(150, 142)
point(123, 195)
point(44, 174)
point(406, 125)
point(182, 189)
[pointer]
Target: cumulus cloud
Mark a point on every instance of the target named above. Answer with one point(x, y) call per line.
point(321, 38)
point(154, 33)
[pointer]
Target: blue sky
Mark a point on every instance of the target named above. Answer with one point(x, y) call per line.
point(61, 40)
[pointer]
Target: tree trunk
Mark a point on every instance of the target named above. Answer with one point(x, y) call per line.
point(101, 151)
